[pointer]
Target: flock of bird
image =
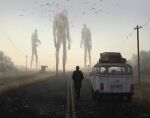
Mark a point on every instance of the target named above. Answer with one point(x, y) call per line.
point(47, 9)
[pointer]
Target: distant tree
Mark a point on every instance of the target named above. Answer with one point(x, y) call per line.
point(5, 62)
point(144, 62)
point(145, 59)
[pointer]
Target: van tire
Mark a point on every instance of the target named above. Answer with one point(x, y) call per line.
point(94, 94)
point(99, 97)
point(129, 98)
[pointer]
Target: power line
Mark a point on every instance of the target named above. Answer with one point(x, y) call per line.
point(126, 38)
point(146, 23)
point(12, 43)
point(26, 62)
point(131, 33)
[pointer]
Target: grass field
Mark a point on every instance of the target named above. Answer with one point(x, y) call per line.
point(11, 84)
point(142, 92)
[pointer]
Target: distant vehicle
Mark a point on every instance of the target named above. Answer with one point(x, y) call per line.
point(112, 76)
point(43, 68)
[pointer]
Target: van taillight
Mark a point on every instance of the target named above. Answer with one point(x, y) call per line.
point(101, 86)
point(132, 88)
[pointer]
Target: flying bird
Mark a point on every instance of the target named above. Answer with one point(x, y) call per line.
point(23, 10)
point(35, 2)
point(83, 13)
point(117, 5)
point(47, 4)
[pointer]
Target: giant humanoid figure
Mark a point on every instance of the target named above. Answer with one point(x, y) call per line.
point(35, 42)
point(61, 35)
point(86, 40)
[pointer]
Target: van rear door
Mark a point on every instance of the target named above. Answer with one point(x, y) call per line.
point(116, 80)
point(117, 84)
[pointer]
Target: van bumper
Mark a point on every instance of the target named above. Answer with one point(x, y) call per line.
point(116, 94)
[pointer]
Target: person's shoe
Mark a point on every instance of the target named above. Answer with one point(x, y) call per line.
point(78, 96)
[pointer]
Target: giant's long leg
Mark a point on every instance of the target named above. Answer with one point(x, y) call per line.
point(57, 60)
point(57, 54)
point(89, 51)
point(36, 56)
point(31, 59)
point(85, 53)
point(64, 55)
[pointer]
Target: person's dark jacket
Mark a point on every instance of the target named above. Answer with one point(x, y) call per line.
point(77, 77)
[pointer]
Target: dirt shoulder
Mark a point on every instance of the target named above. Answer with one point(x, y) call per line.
point(23, 81)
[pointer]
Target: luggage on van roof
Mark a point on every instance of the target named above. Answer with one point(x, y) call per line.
point(111, 57)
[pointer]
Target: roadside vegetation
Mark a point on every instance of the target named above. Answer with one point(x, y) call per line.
point(6, 63)
point(142, 92)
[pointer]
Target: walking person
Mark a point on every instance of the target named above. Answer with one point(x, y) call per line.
point(77, 77)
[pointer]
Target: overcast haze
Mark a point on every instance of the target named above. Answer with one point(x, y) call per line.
point(111, 23)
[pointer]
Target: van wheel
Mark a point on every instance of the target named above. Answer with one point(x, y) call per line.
point(94, 94)
point(129, 98)
point(123, 98)
point(99, 97)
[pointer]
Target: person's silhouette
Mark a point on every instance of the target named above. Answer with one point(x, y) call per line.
point(77, 77)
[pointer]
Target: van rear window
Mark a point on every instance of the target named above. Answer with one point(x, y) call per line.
point(112, 70)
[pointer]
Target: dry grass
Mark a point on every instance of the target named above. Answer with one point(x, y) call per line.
point(21, 82)
point(142, 92)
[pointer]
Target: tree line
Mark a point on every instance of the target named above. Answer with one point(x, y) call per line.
point(5, 63)
point(144, 62)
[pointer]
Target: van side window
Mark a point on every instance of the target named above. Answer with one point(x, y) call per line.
point(117, 70)
point(113, 70)
point(128, 71)
point(104, 70)
point(96, 70)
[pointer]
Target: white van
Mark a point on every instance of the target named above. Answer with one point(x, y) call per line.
point(112, 79)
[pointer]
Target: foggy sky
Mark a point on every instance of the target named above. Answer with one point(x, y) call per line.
point(111, 23)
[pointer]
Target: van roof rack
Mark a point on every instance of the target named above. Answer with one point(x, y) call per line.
point(111, 57)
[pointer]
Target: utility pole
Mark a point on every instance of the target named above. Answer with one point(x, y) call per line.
point(26, 62)
point(39, 65)
point(138, 53)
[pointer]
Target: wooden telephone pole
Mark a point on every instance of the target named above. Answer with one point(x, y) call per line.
point(138, 53)
point(26, 62)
